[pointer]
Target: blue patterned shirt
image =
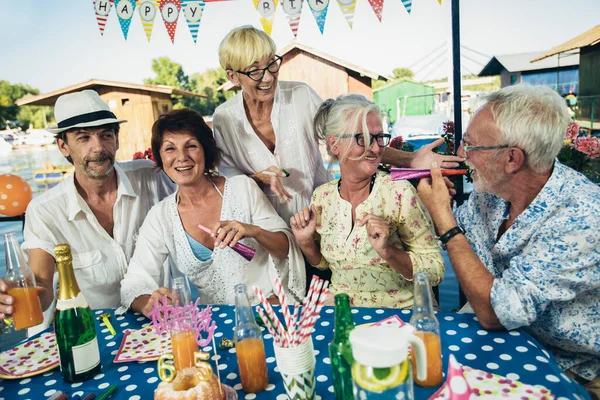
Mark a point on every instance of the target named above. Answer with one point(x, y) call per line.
point(546, 266)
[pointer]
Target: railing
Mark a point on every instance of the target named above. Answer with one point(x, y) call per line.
point(587, 112)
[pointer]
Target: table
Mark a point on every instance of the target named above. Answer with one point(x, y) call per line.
point(514, 354)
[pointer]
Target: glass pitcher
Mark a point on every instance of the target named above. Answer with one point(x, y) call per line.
point(382, 368)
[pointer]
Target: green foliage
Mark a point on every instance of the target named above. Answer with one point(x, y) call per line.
point(172, 74)
point(580, 162)
point(402, 74)
point(9, 111)
point(37, 116)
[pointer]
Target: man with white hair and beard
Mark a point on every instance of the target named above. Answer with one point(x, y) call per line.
point(526, 245)
point(97, 211)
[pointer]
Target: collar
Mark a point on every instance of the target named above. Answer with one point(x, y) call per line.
point(274, 112)
point(76, 204)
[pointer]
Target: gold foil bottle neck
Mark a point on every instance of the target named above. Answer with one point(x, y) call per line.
point(62, 253)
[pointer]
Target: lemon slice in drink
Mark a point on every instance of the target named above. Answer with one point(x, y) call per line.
point(379, 379)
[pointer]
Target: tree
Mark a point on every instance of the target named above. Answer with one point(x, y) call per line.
point(9, 111)
point(172, 74)
point(402, 74)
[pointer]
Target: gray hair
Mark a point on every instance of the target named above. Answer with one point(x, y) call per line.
point(532, 118)
point(342, 116)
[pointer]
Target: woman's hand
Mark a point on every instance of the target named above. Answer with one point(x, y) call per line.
point(145, 303)
point(425, 156)
point(228, 233)
point(378, 233)
point(304, 225)
point(272, 177)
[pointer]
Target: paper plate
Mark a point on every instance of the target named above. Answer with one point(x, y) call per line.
point(30, 358)
point(142, 345)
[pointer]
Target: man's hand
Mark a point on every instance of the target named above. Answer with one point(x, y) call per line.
point(425, 156)
point(378, 233)
point(304, 224)
point(271, 176)
point(435, 195)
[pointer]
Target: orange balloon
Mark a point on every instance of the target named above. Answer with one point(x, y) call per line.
point(15, 195)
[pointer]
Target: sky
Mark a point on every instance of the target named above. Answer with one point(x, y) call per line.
point(53, 44)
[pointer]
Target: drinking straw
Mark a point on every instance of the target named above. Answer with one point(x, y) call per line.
point(269, 327)
point(243, 250)
point(56, 395)
point(413, 173)
point(265, 303)
point(91, 396)
point(283, 304)
point(106, 394)
point(217, 364)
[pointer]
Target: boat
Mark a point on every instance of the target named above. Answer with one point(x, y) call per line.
point(36, 137)
point(50, 174)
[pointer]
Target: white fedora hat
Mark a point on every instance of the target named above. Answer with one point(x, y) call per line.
point(80, 110)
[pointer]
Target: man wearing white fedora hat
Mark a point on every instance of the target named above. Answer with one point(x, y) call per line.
point(97, 210)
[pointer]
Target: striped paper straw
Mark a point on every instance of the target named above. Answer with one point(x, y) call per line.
point(267, 323)
point(284, 305)
point(265, 303)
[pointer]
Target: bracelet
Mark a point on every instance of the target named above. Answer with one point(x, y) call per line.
point(445, 238)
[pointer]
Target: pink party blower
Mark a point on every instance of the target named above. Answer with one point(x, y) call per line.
point(399, 174)
point(243, 250)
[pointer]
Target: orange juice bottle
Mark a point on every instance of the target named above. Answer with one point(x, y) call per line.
point(27, 310)
point(428, 329)
point(249, 345)
point(183, 348)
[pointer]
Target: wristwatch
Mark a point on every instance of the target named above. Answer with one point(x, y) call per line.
point(445, 238)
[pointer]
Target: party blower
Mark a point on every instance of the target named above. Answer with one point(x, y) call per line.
point(399, 174)
point(243, 250)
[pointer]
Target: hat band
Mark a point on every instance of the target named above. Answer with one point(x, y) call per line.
point(89, 117)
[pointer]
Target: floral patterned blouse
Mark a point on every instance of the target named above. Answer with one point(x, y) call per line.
point(357, 269)
point(546, 266)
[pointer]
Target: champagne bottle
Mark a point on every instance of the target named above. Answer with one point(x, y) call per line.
point(74, 324)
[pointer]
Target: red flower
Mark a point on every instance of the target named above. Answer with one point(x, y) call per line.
point(588, 145)
point(572, 131)
point(397, 143)
point(138, 155)
point(149, 155)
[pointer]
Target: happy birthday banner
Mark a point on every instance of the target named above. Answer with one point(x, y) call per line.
point(193, 10)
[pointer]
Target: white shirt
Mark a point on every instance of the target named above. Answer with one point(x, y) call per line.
point(163, 237)
point(60, 215)
point(296, 151)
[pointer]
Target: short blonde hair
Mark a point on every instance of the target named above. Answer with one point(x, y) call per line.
point(243, 46)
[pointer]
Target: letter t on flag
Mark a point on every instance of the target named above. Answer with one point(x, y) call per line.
point(102, 8)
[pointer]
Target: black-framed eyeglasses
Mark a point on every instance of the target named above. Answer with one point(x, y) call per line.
point(383, 139)
point(259, 73)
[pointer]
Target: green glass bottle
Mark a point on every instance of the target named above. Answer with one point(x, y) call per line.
point(340, 349)
point(74, 324)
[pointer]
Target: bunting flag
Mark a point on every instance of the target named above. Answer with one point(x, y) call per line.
point(147, 10)
point(266, 10)
point(348, 7)
point(377, 6)
point(440, 1)
point(319, 10)
point(293, 10)
point(193, 10)
point(407, 5)
point(125, 10)
point(169, 9)
point(102, 8)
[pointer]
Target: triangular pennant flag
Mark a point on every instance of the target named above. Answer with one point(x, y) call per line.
point(125, 10)
point(377, 6)
point(147, 10)
point(407, 5)
point(293, 10)
point(319, 10)
point(266, 10)
point(169, 9)
point(102, 8)
point(348, 7)
point(440, 1)
point(192, 11)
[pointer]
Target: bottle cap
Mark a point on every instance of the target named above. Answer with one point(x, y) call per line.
point(62, 252)
point(380, 346)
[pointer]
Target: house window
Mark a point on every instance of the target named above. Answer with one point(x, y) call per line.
point(513, 79)
point(124, 102)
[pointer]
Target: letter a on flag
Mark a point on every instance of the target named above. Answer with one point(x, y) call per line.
point(169, 9)
point(266, 11)
point(102, 8)
point(193, 10)
point(147, 10)
point(125, 10)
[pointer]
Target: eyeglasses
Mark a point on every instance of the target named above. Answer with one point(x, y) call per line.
point(383, 139)
point(259, 73)
point(467, 148)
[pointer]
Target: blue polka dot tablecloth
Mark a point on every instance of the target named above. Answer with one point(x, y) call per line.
point(515, 355)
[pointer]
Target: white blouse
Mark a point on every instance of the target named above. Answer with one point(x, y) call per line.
point(296, 151)
point(162, 237)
